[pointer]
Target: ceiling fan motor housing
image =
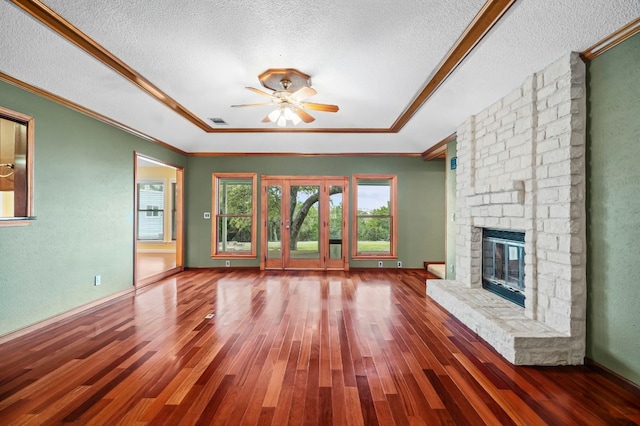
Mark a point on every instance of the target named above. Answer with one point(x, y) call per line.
point(276, 79)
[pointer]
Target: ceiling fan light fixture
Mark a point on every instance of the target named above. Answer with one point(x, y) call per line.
point(289, 100)
point(274, 115)
point(285, 83)
point(292, 116)
point(282, 120)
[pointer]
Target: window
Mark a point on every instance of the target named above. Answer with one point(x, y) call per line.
point(234, 225)
point(151, 211)
point(16, 168)
point(376, 227)
point(174, 211)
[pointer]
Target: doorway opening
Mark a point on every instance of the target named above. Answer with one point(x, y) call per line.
point(304, 222)
point(158, 216)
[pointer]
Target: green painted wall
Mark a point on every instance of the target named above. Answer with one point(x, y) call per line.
point(613, 333)
point(84, 206)
point(452, 151)
point(421, 198)
point(84, 196)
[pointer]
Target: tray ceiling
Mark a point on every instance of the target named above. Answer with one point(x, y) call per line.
point(372, 58)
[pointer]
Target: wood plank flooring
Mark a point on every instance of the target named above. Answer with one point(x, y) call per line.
point(150, 264)
point(313, 348)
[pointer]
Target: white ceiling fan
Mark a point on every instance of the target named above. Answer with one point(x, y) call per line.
point(290, 90)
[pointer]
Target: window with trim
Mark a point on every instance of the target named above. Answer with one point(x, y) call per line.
point(151, 199)
point(375, 227)
point(16, 168)
point(234, 224)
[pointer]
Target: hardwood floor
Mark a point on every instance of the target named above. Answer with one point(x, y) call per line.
point(287, 348)
point(150, 264)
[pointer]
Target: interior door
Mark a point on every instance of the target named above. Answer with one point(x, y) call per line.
point(303, 225)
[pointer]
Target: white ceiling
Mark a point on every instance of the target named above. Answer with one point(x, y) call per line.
point(370, 57)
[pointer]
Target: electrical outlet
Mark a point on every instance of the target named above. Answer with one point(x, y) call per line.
point(207, 215)
point(399, 264)
point(227, 263)
point(380, 264)
point(97, 280)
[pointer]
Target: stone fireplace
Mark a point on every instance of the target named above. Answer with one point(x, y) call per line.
point(521, 168)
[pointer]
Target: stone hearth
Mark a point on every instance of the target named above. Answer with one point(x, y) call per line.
point(521, 167)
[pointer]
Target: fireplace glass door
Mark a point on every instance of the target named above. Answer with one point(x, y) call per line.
point(503, 264)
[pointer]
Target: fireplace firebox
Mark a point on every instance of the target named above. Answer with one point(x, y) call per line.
point(503, 264)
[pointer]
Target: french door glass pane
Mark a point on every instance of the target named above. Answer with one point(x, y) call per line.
point(234, 234)
point(335, 222)
point(374, 235)
point(304, 232)
point(274, 222)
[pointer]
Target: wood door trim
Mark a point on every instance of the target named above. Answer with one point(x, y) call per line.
point(324, 182)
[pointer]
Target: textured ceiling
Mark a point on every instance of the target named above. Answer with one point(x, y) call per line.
point(372, 58)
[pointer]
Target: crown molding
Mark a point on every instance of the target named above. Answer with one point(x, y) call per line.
point(296, 154)
point(86, 111)
point(439, 150)
point(57, 23)
point(489, 15)
point(614, 39)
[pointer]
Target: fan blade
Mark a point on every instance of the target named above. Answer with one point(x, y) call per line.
point(260, 92)
point(303, 115)
point(251, 105)
point(304, 93)
point(320, 107)
point(266, 119)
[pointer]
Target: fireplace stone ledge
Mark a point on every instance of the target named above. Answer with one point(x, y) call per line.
point(502, 324)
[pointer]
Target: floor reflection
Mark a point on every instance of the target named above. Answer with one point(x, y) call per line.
point(150, 264)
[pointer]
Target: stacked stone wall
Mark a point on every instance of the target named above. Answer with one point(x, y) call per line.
point(521, 166)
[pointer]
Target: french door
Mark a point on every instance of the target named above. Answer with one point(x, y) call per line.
point(304, 222)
